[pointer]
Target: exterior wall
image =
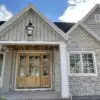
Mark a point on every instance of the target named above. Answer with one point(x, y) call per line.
point(84, 85)
point(42, 31)
point(57, 70)
point(16, 32)
point(92, 24)
point(10, 68)
point(7, 71)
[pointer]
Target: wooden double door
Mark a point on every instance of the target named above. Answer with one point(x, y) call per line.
point(33, 70)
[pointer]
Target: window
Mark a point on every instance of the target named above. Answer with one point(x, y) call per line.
point(82, 63)
point(97, 17)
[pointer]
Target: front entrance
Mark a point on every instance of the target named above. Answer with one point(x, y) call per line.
point(33, 70)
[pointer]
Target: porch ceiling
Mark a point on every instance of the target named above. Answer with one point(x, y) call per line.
point(32, 47)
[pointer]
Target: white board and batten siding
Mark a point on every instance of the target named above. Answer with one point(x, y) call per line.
point(42, 30)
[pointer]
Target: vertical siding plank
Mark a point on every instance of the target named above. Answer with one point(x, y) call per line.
point(19, 30)
point(52, 37)
point(29, 18)
point(45, 32)
point(34, 18)
point(42, 37)
point(38, 28)
point(23, 25)
point(26, 23)
point(6, 36)
point(14, 32)
point(10, 34)
point(49, 34)
point(22, 31)
point(3, 38)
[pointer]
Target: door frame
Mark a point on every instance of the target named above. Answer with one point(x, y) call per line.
point(51, 73)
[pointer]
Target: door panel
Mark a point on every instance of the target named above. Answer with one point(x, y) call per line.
point(21, 78)
point(33, 70)
point(33, 82)
point(45, 70)
point(21, 82)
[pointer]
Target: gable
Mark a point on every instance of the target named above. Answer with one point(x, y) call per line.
point(91, 17)
point(80, 39)
point(43, 31)
point(92, 24)
point(89, 24)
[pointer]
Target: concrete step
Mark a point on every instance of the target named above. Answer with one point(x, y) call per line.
point(32, 95)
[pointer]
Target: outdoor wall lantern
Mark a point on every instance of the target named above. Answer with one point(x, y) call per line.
point(29, 29)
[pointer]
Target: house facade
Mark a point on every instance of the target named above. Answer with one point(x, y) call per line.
point(49, 59)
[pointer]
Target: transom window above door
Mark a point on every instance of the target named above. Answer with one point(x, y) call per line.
point(82, 63)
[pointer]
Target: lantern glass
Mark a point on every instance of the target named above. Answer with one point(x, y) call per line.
point(29, 29)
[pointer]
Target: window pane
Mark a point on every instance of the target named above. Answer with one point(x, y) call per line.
point(91, 70)
point(89, 55)
point(22, 64)
point(34, 65)
point(1, 62)
point(90, 60)
point(91, 65)
point(75, 65)
point(85, 65)
point(71, 56)
point(77, 56)
point(85, 60)
point(85, 70)
point(88, 63)
point(84, 56)
point(72, 61)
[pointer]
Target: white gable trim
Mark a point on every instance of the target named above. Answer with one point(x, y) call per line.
point(90, 32)
point(72, 29)
point(84, 27)
point(30, 6)
point(81, 23)
point(90, 12)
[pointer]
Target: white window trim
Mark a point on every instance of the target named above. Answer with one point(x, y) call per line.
point(84, 74)
point(96, 18)
point(3, 67)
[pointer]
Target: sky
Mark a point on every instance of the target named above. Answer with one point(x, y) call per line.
point(55, 10)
